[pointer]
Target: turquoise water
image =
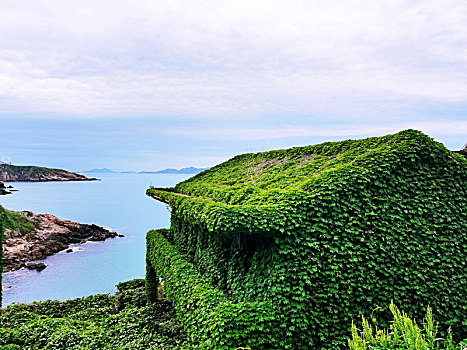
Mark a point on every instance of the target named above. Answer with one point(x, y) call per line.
point(118, 202)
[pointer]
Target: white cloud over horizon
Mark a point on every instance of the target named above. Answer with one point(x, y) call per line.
point(158, 84)
point(210, 59)
point(248, 133)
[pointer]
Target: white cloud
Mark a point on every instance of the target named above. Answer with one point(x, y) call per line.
point(244, 58)
point(342, 131)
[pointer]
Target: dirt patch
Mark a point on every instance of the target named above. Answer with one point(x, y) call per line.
point(305, 158)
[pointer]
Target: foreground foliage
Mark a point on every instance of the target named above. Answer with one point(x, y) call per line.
point(404, 333)
point(122, 321)
point(320, 234)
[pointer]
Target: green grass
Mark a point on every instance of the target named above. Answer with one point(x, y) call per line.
point(122, 321)
point(16, 222)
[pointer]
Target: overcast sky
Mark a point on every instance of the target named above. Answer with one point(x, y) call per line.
point(145, 85)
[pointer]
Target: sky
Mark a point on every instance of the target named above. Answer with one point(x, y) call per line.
point(147, 85)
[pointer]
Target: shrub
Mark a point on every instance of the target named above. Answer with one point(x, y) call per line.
point(95, 322)
point(404, 333)
point(10, 347)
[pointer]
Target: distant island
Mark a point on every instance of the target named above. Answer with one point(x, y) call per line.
point(10, 172)
point(100, 171)
point(189, 170)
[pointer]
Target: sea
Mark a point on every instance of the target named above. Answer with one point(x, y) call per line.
point(117, 202)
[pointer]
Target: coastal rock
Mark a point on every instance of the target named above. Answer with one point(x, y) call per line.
point(51, 235)
point(3, 189)
point(35, 266)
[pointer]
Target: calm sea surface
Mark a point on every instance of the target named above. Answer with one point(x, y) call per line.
point(117, 202)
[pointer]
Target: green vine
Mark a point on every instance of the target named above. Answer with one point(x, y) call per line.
point(210, 319)
point(322, 233)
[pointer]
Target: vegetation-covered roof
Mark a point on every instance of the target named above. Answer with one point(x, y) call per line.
point(252, 184)
point(261, 178)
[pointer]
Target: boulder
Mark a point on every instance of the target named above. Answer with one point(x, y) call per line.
point(35, 266)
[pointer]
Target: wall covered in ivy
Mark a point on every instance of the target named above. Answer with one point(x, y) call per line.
point(321, 234)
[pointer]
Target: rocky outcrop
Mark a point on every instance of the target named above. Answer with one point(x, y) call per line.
point(35, 266)
point(33, 173)
point(50, 235)
point(3, 189)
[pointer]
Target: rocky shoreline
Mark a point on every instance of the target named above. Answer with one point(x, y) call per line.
point(50, 235)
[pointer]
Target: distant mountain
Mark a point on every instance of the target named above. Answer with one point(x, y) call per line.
point(189, 170)
point(127, 172)
point(10, 172)
point(99, 171)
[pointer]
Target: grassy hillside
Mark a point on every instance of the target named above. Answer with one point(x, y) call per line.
point(122, 321)
point(16, 222)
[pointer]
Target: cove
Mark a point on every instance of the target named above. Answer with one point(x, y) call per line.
point(117, 202)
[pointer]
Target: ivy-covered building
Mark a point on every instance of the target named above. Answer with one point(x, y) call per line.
point(283, 249)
